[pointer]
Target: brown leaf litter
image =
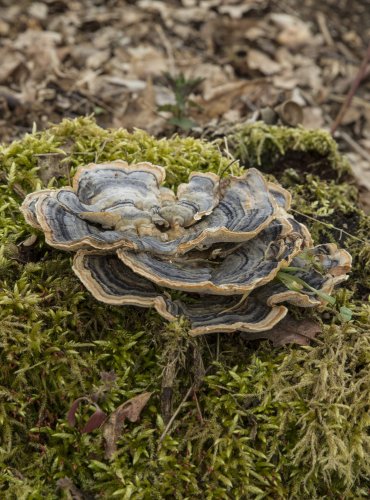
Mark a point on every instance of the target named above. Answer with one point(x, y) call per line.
point(63, 58)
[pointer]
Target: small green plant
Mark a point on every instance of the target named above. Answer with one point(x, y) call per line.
point(296, 284)
point(182, 89)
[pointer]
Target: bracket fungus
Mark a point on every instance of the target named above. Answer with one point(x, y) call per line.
point(222, 242)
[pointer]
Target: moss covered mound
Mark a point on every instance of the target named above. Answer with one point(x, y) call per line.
point(262, 422)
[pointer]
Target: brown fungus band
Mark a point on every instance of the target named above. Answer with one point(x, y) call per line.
point(222, 243)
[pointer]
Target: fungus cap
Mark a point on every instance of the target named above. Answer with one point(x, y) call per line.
point(222, 242)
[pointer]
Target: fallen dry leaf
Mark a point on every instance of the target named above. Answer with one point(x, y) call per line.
point(112, 429)
point(289, 331)
point(50, 165)
point(71, 415)
point(294, 32)
point(258, 60)
point(238, 11)
point(64, 58)
point(66, 484)
point(95, 421)
point(10, 60)
point(41, 56)
point(221, 99)
point(313, 117)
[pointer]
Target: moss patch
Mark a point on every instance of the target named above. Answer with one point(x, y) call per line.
point(275, 148)
point(266, 423)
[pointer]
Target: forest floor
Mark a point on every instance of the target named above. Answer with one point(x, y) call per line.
point(240, 59)
point(249, 420)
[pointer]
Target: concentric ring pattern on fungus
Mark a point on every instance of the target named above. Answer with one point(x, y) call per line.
point(220, 242)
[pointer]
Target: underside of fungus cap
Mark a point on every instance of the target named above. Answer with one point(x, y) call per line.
point(230, 314)
point(251, 264)
point(110, 281)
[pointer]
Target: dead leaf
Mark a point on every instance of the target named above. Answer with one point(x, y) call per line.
point(146, 61)
point(112, 429)
point(39, 48)
point(66, 484)
point(313, 117)
point(258, 60)
point(353, 114)
point(288, 331)
point(50, 165)
point(309, 76)
point(294, 32)
point(95, 421)
point(71, 415)
point(38, 10)
point(10, 60)
point(238, 11)
point(285, 81)
point(97, 59)
point(220, 99)
point(254, 33)
point(4, 28)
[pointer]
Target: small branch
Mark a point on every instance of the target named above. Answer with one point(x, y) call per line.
point(321, 21)
point(357, 100)
point(168, 381)
point(168, 48)
point(198, 407)
point(355, 84)
point(355, 146)
point(218, 348)
point(172, 419)
point(331, 226)
point(191, 390)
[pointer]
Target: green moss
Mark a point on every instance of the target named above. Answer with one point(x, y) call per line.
point(275, 148)
point(271, 423)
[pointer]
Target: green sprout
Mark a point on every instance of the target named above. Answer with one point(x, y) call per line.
point(295, 283)
point(182, 88)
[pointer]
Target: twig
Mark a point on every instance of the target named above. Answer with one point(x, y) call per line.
point(359, 101)
point(48, 154)
point(321, 21)
point(198, 407)
point(101, 149)
point(172, 419)
point(227, 167)
point(355, 84)
point(168, 47)
point(349, 55)
point(355, 146)
point(331, 226)
point(191, 389)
